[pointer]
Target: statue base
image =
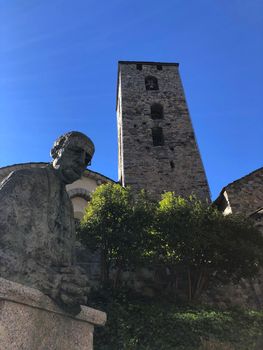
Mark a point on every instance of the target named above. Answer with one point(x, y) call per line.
point(31, 320)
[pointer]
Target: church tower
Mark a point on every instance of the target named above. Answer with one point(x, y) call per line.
point(157, 146)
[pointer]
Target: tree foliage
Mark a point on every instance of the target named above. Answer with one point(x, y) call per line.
point(187, 237)
point(117, 225)
point(197, 239)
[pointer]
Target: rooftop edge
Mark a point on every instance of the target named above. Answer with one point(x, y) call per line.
point(149, 63)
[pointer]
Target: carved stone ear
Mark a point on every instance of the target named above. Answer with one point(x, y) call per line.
point(57, 146)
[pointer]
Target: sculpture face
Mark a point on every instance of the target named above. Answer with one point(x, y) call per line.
point(71, 163)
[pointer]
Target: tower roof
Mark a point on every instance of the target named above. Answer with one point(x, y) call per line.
point(149, 63)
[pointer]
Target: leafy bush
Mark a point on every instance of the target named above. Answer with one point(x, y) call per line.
point(136, 323)
point(185, 236)
point(192, 240)
point(117, 225)
point(197, 239)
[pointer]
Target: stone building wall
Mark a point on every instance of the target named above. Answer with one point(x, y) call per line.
point(174, 166)
point(244, 195)
point(257, 216)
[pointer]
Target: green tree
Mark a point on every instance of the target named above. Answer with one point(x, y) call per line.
point(195, 238)
point(117, 224)
point(189, 238)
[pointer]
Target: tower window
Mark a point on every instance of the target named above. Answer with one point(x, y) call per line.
point(151, 83)
point(159, 67)
point(156, 111)
point(139, 66)
point(157, 135)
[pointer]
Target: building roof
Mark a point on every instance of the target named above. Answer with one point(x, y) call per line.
point(244, 195)
point(256, 172)
point(149, 63)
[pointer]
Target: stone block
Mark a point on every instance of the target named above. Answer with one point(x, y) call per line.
point(30, 320)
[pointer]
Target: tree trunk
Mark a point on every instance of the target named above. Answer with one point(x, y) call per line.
point(117, 277)
point(198, 284)
point(104, 268)
point(202, 283)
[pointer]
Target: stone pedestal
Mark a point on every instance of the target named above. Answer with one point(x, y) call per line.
point(30, 320)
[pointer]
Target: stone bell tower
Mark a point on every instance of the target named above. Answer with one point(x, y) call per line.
point(157, 146)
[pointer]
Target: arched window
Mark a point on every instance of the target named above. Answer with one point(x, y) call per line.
point(157, 135)
point(156, 111)
point(151, 83)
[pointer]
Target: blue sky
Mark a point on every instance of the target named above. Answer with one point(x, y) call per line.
point(58, 70)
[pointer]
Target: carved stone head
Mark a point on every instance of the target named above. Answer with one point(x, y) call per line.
point(72, 152)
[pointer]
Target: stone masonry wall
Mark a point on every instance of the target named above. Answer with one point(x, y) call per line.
point(245, 195)
point(175, 166)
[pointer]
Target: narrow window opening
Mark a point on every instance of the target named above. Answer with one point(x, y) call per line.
point(159, 67)
point(156, 111)
point(171, 148)
point(135, 125)
point(151, 83)
point(139, 66)
point(157, 136)
point(172, 164)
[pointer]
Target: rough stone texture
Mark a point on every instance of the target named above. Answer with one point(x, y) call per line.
point(257, 216)
point(244, 195)
point(175, 166)
point(30, 320)
point(247, 293)
point(90, 262)
point(37, 231)
point(80, 190)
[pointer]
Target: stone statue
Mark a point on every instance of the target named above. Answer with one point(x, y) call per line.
point(37, 231)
